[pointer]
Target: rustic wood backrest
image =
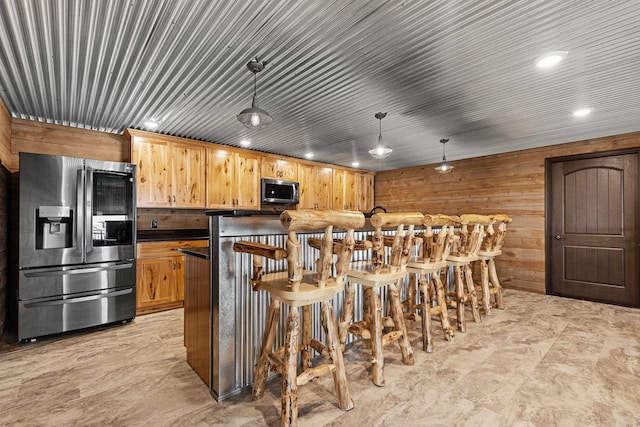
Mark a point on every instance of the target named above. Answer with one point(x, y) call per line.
point(472, 232)
point(402, 243)
point(436, 247)
point(496, 232)
point(310, 220)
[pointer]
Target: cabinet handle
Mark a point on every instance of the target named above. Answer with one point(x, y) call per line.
point(174, 198)
point(169, 198)
point(174, 265)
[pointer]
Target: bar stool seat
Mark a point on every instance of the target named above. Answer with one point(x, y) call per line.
point(300, 288)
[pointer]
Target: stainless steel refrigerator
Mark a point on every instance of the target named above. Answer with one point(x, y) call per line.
point(77, 222)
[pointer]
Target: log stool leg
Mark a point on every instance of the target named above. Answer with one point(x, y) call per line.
point(460, 299)
point(289, 414)
point(425, 304)
point(333, 346)
point(395, 308)
point(374, 312)
point(261, 369)
point(486, 294)
point(471, 291)
point(411, 298)
point(442, 304)
point(305, 356)
point(493, 275)
point(346, 317)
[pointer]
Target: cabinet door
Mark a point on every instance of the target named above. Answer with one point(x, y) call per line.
point(279, 169)
point(339, 189)
point(350, 191)
point(220, 179)
point(188, 175)
point(155, 281)
point(307, 176)
point(247, 181)
point(179, 277)
point(324, 188)
point(365, 191)
point(153, 186)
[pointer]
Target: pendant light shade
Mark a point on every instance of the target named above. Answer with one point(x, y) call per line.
point(445, 166)
point(380, 150)
point(255, 117)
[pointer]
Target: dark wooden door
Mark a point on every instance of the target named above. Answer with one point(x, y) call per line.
point(592, 233)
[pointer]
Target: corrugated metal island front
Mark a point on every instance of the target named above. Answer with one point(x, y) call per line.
point(238, 313)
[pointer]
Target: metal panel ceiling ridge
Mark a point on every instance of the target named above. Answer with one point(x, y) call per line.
point(463, 70)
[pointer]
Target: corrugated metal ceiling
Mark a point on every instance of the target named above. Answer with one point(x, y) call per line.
point(457, 69)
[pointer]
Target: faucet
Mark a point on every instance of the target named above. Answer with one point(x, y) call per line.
point(373, 210)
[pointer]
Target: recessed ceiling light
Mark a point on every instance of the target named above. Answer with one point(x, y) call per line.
point(245, 142)
point(582, 112)
point(355, 164)
point(152, 123)
point(550, 59)
point(309, 155)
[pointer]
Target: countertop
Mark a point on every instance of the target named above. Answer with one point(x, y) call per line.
point(165, 235)
point(197, 252)
point(243, 212)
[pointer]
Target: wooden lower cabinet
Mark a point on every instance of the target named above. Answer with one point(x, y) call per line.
point(160, 275)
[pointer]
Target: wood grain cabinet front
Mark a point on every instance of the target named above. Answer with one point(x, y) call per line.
point(233, 179)
point(170, 173)
point(316, 187)
point(160, 275)
point(279, 168)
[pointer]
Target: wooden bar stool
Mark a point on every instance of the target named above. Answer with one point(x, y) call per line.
point(491, 247)
point(427, 265)
point(465, 251)
point(302, 288)
point(381, 272)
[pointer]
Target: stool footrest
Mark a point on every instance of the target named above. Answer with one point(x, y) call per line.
point(359, 329)
point(391, 337)
point(312, 374)
point(319, 347)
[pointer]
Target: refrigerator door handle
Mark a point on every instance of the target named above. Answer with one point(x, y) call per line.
point(88, 226)
point(79, 299)
point(78, 231)
point(78, 270)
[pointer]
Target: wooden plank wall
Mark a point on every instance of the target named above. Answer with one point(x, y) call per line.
point(511, 183)
point(46, 138)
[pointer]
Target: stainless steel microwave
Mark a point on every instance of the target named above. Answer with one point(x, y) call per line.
point(275, 191)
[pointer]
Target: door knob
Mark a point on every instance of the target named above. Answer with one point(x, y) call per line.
point(557, 237)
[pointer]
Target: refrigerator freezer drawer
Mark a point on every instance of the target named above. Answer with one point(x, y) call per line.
point(61, 314)
point(53, 282)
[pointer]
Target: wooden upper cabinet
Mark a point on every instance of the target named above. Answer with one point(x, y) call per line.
point(153, 172)
point(233, 181)
point(364, 191)
point(344, 189)
point(170, 173)
point(188, 167)
point(248, 181)
point(316, 187)
point(221, 165)
point(278, 168)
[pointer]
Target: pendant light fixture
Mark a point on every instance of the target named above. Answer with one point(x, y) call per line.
point(380, 150)
point(255, 117)
point(444, 167)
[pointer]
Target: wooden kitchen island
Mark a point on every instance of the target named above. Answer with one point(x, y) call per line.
point(236, 313)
